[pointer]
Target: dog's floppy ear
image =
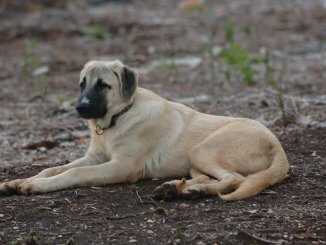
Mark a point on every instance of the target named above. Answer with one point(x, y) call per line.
point(128, 82)
point(89, 63)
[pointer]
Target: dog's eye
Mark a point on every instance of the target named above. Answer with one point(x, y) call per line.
point(102, 85)
point(83, 84)
point(116, 75)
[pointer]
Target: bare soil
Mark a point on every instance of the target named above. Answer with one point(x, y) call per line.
point(39, 127)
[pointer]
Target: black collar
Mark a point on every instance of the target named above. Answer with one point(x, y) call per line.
point(99, 130)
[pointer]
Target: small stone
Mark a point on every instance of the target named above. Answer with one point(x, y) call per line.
point(217, 50)
point(314, 154)
point(150, 221)
point(150, 232)
point(132, 240)
point(151, 49)
point(80, 133)
point(42, 149)
point(184, 205)
point(68, 144)
point(2, 215)
point(62, 137)
point(40, 71)
point(201, 243)
point(177, 241)
point(66, 106)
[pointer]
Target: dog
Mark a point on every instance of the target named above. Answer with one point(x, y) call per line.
point(136, 134)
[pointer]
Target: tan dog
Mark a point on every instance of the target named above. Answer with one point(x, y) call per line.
point(136, 134)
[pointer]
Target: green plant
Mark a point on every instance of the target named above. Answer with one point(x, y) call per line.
point(280, 102)
point(2, 233)
point(269, 68)
point(237, 58)
point(229, 30)
point(240, 59)
point(31, 239)
point(95, 32)
point(275, 81)
point(247, 29)
point(279, 96)
point(71, 241)
point(63, 98)
point(31, 58)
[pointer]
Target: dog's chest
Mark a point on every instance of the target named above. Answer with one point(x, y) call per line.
point(164, 164)
point(167, 159)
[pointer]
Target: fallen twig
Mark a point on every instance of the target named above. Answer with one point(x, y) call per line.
point(139, 197)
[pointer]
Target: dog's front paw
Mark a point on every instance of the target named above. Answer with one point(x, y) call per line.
point(10, 187)
point(29, 187)
point(5, 189)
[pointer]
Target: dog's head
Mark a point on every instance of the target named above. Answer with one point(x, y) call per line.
point(104, 86)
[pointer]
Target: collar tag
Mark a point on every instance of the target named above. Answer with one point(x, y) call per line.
point(99, 130)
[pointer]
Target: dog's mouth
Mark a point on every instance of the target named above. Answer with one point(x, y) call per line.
point(83, 115)
point(91, 112)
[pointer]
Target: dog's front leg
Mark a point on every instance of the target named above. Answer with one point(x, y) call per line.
point(114, 171)
point(11, 186)
point(81, 162)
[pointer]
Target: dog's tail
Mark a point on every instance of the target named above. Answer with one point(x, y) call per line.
point(255, 183)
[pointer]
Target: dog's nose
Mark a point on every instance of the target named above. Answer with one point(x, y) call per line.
point(82, 105)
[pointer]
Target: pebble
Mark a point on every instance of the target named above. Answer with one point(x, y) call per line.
point(68, 144)
point(62, 137)
point(184, 205)
point(80, 133)
point(40, 71)
point(42, 149)
point(150, 232)
point(270, 211)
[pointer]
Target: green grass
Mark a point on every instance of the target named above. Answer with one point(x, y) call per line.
point(29, 240)
point(31, 57)
point(269, 68)
point(247, 29)
point(98, 32)
point(239, 59)
point(229, 30)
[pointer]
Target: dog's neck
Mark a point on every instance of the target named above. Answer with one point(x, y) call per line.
point(99, 130)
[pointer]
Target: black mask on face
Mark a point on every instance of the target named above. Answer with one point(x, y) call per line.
point(92, 102)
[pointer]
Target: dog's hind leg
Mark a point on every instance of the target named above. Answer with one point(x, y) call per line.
point(225, 179)
point(228, 183)
point(174, 188)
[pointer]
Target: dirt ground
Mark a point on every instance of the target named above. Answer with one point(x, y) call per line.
point(44, 46)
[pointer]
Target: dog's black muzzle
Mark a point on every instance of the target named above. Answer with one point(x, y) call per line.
point(91, 105)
